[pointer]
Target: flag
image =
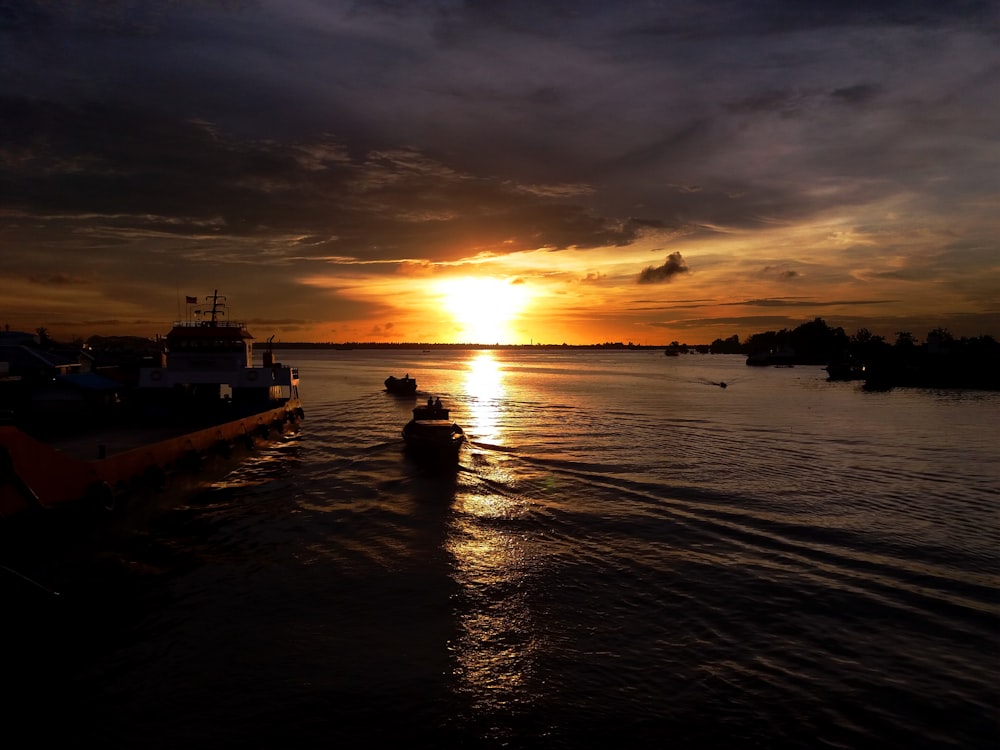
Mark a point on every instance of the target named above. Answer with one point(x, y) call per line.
point(191, 300)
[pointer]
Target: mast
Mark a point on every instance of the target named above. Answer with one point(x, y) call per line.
point(215, 306)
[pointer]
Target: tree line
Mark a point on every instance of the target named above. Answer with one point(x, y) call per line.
point(940, 359)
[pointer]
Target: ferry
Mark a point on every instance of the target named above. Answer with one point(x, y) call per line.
point(206, 396)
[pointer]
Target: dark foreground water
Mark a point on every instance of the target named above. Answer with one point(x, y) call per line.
point(629, 555)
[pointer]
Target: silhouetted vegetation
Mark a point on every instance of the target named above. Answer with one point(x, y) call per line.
point(941, 360)
point(731, 345)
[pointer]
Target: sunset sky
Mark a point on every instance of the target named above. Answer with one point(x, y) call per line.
point(549, 172)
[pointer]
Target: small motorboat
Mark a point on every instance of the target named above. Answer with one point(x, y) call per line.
point(405, 385)
point(431, 435)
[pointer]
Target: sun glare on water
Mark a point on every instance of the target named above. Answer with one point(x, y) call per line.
point(484, 308)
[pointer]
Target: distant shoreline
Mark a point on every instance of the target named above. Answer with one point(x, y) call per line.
point(700, 348)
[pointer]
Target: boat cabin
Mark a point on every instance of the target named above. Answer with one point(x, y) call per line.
point(209, 345)
point(429, 412)
point(210, 363)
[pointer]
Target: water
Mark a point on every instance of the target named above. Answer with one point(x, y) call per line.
point(627, 554)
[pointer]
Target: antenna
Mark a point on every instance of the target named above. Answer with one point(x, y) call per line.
point(215, 305)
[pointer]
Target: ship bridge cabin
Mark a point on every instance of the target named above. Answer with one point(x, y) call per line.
point(208, 345)
point(209, 369)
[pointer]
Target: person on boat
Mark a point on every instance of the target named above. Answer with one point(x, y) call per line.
point(430, 402)
point(437, 403)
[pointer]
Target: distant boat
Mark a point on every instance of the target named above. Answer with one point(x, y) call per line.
point(404, 385)
point(781, 358)
point(845, 371)
point(431, 436)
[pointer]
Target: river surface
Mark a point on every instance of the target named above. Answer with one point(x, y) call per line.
point(629, 554)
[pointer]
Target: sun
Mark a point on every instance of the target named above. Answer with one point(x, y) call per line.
point(483, 307)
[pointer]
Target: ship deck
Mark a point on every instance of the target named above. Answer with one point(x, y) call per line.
point(114, 440)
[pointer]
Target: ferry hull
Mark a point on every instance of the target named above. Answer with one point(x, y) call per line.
point(36, 477)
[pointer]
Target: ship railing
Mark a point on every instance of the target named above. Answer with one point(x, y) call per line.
point(209, 324)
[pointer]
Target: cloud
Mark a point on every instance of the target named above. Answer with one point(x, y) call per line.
point(782, 274)
point(857, 94)
point(673, 265)
point(282, 141)
point(802, 302)
point(416, 269)
point(97, 165)
point(56, 279)
point(790, 302)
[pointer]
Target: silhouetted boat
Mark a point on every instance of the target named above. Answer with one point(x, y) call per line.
point(779, 358)
point(432, 436)
point(844, 371)
point(404, 385)
point(206, 399)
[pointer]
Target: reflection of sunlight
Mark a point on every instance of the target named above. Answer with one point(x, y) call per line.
point(497, 645)
point(498, 642)
point(484, 384)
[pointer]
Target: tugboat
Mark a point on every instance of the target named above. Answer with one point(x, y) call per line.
point(431, 436)
point(208, 397)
